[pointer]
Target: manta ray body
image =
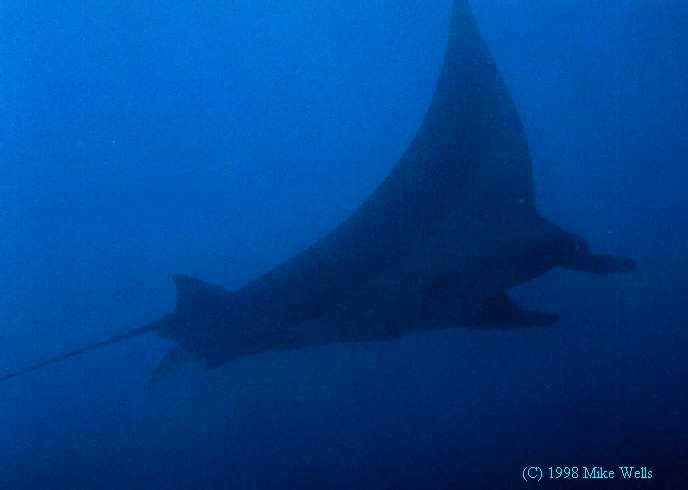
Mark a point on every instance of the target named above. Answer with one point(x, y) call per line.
point(439, 243)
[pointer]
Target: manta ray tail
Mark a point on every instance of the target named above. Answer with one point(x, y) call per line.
point(192, 294)
point(82, 350)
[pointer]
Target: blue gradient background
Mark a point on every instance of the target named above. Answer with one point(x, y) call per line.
point(216, 138)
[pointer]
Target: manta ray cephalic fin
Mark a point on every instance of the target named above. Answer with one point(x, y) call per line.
point(500, 311)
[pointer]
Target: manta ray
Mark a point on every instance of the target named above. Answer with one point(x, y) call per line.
point(437, 245)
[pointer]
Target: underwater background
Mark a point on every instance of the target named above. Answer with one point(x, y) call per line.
point(217, 138)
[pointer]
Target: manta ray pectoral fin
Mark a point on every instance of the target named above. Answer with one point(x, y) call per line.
point(601, 264)
point(500, 311)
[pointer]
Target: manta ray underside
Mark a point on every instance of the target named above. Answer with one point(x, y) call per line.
point(450, 230)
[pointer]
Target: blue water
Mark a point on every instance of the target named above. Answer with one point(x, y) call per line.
point(217, 138)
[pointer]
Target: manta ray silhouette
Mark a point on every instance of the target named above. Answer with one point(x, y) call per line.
point(440, 242)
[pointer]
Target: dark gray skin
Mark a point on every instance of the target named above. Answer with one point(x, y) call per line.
point(437, 245)
point(450, 230)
